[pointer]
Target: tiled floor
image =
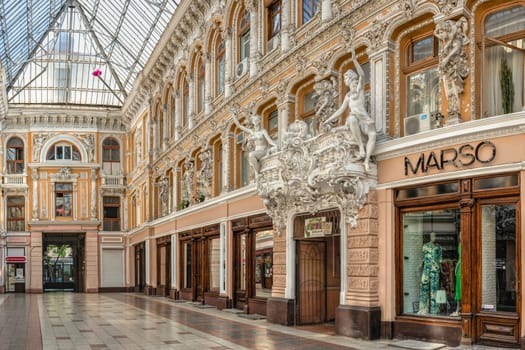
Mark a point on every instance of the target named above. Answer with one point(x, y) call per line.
point(133, 321)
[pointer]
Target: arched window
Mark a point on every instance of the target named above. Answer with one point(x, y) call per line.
point(111, 156)
point(244, 36)
point(201, 81)
point(220, 64)
point(503, 54)
point(15, 156)
point(274, 19)
point(242, 165)
point(160, 124)
point(63, 151)
point(420, 82)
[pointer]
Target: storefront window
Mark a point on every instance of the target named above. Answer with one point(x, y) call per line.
point(263, 263)
point(431, 262)
point(498, 257)
point(242, 269)
point(187, 265)
point(214, 258)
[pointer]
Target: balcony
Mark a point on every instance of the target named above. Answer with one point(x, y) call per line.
point(112, 180)
point(309, 174)
point(14, 179)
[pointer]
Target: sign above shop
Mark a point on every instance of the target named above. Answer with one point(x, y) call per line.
point(15, 259)
point(317, 227)
point(462, 156)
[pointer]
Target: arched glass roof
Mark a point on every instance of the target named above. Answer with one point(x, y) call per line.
point(78, 52)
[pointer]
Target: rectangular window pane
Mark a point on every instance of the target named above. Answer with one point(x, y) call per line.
point(431, 263)
point(425, 191)
point(264, 263)
point(423, 94)
point(245, 45)
point(187, 265)
point(214, 258)
point(498, 258)
point(422, 49)
point(59, 151)
point(495, 182)
point(220, 78)
point(67, 152)
point(503, 60)
point(243, 266)
point(11, 154)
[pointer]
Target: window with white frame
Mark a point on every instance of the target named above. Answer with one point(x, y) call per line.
point(63, 151)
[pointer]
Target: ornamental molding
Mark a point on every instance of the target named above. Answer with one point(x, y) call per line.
point(311, 174)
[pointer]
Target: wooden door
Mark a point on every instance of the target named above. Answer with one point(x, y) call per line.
point(311, 280)
point(200, 269)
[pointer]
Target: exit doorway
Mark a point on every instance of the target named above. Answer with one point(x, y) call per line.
point(63, 262)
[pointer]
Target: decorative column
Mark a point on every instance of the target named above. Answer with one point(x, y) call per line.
point(254, 47)
point(360, 315)
point(124, 204)
point(177, 114)
point(466, 205)
point(207, 83)
point(283, 107)
point(222, 258)
point(326, 10)
point(52, 209)
point(227, 62)
point(226, 154)
point(34, 177)
point(165, 126)
point(174, 288)
point(176, 179)
point(285, 24)
point(91, 259)
point(379, 82)
point(93, 194)
point(191, 97)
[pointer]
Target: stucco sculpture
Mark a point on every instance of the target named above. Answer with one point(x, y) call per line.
point(262, 141)
point(358, 122)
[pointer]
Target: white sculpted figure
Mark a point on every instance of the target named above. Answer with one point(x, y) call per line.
point(260, 138)
point(453, 64)
point(358, 122)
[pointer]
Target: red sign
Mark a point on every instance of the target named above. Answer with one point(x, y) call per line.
point(15, 259)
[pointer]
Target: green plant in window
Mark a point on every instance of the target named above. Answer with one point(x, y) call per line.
point(200, 197)
point(507, 87)
point(184, 204)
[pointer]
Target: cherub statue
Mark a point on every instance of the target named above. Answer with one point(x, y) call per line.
point(358, 122)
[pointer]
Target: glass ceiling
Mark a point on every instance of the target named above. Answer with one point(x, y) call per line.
point(78, 52)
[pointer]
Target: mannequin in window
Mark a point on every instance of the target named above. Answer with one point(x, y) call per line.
point(432, 256)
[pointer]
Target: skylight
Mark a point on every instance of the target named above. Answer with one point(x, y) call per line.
point(78, 52)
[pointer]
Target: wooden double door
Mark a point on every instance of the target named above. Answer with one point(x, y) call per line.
point(318, 279)
point(200, 264)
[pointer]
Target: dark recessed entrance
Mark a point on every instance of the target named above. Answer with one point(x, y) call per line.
point(63, 262)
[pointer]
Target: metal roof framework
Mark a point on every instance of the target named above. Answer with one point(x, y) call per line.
point(78, 52)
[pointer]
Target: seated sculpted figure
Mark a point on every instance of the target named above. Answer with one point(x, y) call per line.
point(358, 121)
point(260, 138)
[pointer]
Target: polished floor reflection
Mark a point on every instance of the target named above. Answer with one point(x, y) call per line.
point(132, 321)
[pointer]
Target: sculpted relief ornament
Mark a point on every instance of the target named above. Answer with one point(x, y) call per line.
point(332, 168)
point(453, 66)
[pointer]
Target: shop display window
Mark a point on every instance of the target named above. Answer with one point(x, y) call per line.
point(263, 263)
point(214, 255)
point(431, 262)
point(498, 258)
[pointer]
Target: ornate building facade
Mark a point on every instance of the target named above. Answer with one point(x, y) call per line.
point(378, 185)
